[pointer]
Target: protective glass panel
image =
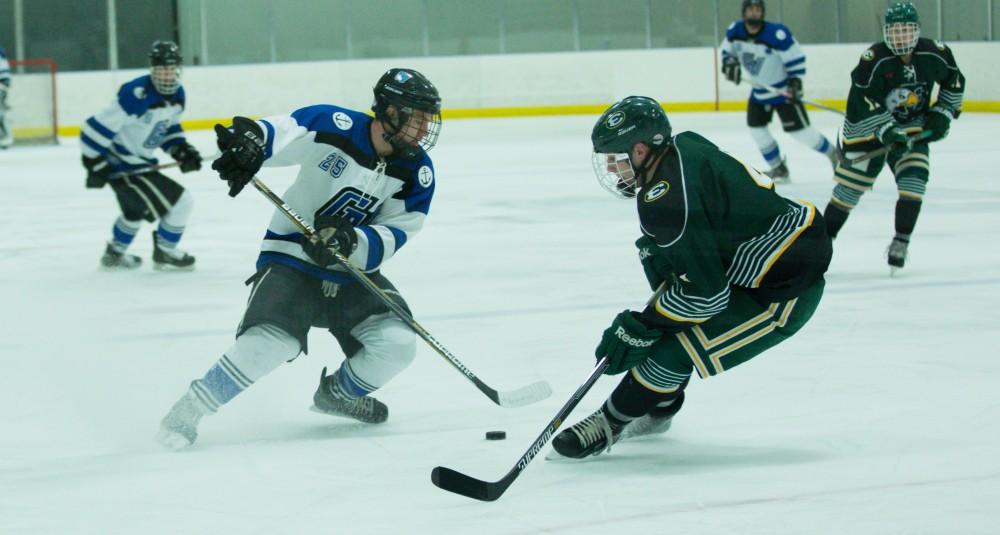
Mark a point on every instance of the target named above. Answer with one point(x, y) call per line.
point(7, 27)
point(136, 34)
point(387, 28)
point(966, 20)
point(75, 34)
point(239, 31)
point(607, 26)
point(537, 26)
point(682, 23)
point(810, 21)
point(464, 27)
point(311, 31)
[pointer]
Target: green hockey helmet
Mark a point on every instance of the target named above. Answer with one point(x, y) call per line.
point(628, 122)
point(902, 28)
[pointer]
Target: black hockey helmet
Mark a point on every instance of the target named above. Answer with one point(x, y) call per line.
point(748, 3)
point(628, 122)
point(165, 62)
point(415, 124)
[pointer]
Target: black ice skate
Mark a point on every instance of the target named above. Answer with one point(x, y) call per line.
point(656, 421)
point(179, 428)
point(169, 259)
point(896, 254)
point(591, 436)
point(779, 173)
point(330, 399)
point(113, 259)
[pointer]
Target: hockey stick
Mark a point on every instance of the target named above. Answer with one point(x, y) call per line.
point(141, 170)
point(783, 93)
point(883, 150)
point(488, 491)
point(512, 398)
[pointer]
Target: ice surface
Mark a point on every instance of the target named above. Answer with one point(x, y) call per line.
point(881, 416)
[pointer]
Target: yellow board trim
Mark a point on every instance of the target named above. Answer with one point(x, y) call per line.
point(990, 106)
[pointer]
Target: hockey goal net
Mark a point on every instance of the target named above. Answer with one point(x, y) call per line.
point(31, 102)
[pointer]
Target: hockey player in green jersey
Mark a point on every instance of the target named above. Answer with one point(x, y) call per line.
point(889, 104)
point(742, 269)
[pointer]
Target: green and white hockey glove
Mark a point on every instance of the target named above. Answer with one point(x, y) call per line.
point(890, 133)
point(627, 343)
point(937, 122)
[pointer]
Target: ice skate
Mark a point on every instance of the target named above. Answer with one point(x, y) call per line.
point(169, 259)
point(896, 255)
point(113, 259)
point(779, 173)
point(179, 428)
point(591, 436)
point(331, 399)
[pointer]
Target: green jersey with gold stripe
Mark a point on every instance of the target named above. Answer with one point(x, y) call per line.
point(884, 88)
point(719, 224)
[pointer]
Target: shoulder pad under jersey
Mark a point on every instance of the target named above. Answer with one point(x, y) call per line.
point(776, 35)
point(870, 60)
point(663, 203)
point(136, 96)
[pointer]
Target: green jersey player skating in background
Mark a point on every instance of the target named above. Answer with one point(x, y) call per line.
point(890, 100)
point(742, 269)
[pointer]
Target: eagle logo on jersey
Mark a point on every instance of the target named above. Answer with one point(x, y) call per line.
point(659, 190)
point(425, 176)
point(902, 97)
point(615, 120)
point(342, 121)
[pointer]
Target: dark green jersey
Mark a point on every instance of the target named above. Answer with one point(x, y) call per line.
point(719, 224)
point(884, 89)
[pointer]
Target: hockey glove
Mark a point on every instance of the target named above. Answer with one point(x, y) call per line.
point(627, 343)
point(98, 172)
point(731, 69)
point(185, 154)
point(794, 89)
point(890, 134)
point(242, 153)
point(656, 267)
point(937, 121)
point(334, 234)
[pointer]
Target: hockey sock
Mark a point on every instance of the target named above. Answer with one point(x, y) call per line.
point(388, 347)
point(123, 232)
point(168, 236)
point(173, 223)
point(811, 138)
point(907, 211)
point(256, 353)
point(631, 399)
point(835, 217)
point(768, 146)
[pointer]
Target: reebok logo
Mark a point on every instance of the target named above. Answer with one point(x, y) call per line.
point(634, 342)
point(644, 253)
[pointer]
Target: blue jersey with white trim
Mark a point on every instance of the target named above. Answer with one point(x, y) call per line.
point(386, 199)
point(770, 57)
point(139, 121)
point(4, 71)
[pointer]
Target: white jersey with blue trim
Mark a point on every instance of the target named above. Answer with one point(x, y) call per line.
point(139, 121)
point(771, 57)
point(387, 199)
point(4, 71)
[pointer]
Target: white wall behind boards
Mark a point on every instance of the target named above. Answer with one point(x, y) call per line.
point(685, 75)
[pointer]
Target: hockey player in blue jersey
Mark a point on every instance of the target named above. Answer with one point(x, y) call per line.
point(365, 183)
point(144, 116)
point(772, 57)
point(6, 135)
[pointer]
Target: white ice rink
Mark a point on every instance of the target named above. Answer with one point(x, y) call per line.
point(882, 416)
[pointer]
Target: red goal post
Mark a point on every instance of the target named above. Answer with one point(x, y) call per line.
point(31, 101)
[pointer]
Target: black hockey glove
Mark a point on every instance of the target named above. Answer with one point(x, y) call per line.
point(333, 234)
point(627, 343)
point(656, 267)
point(185, 154)
point(242, 153)
point(98, 172)
point(731, 68)
point(937, 121)
point(794, 89)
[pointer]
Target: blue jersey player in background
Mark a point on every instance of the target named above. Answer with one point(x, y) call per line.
point(365, 184)
point(772, 58)
point(119, 141)
point(6, 135)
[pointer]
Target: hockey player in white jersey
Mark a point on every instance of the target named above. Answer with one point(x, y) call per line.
point(144, 116)
point(366, 185)
point(772, 57)
point(6, 134)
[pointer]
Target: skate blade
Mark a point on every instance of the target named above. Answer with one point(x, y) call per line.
point(171, 267)
point(172, 441)
point(894, 271)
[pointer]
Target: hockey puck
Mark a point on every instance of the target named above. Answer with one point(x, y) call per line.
point(496, 435)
